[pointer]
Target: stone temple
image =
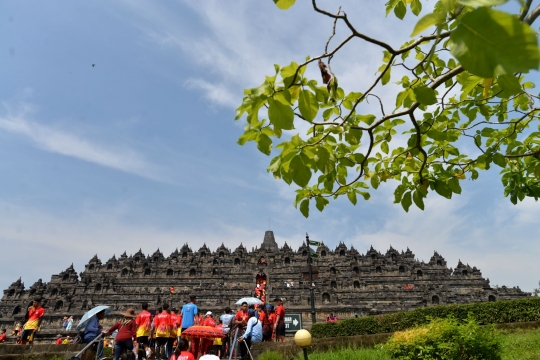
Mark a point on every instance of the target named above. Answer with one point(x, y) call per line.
point(346, 282)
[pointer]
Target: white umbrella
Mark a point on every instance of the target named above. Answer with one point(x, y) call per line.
point(249, 301)
point(90, 314)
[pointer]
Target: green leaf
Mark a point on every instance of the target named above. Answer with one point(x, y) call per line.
point(425, 95)
point(417, 198)
point(406, 202)
point(509, 84)
point(282, 116)
point(301, 174)
point(323, 160)
point(537, 171)
point(386, 77)
point(416, 7)
point(264, 144)
point(428, 21)
point(308, 104)
point(352, 197)
point(489, 43)
point(284, 5)
point(375, 181)
point(304, 207)
point(474, 3)
point(442, 189)
point(454, 186)
point(400, 10)
point(499, 159)
point(321, 202)
point(384, 147)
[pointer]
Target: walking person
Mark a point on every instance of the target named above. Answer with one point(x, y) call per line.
point(35, 316)
point(252, 334)
point(189, 313)
point(208, 321)
point(92, 330)
point(279, 325)
point(64, 323)
point(144, 325)
point(69, 323)
point(173, 331)
point(127, 333)
point(162, 324)
point(227, 322)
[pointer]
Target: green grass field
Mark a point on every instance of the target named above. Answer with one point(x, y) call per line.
point(516, 345)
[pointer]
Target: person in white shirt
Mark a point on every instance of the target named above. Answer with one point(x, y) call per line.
point(210, 354)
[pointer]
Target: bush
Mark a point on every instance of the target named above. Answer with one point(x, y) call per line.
point(484, 313)
point(446, 339)
point(270, 355)
point(349, 353)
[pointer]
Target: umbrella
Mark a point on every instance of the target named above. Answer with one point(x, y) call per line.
point(250, 301)
point(84, 320)
point(203, 332)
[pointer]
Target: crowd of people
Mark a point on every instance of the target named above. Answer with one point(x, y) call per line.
point(163, 334)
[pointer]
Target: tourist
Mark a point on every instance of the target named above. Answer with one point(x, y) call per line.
point(189, 313)
point(218, 342)
point(58, 339)
point(279, 324)
point(16, 329)
point(144, 325)
point(252, 334)
point(3, 336)
point(331, 318)
point(181, 352)
point(66, 341)
point(127, 333)
point(208, 321)
point(69, 323)
point(226, 320)
point(211, 354)
point(173, 331)
point(35, 315)
point(162, 324)
point(93, 330)
point(64, 323)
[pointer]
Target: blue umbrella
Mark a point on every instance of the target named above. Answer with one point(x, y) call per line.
point(84, 320)
point(249, 300)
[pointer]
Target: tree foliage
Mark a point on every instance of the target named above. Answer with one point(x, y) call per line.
point(465, 86)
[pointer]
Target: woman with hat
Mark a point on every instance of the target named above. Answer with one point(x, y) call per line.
point(127, 333)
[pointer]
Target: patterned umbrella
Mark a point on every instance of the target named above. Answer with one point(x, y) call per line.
point(250, 301)
point(203, 332)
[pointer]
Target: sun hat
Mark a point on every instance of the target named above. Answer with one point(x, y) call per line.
point(130, 313)
point(208, 313)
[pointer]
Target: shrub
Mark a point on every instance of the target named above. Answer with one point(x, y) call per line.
point(270, 355)
point(446, 339)
point(483, 312)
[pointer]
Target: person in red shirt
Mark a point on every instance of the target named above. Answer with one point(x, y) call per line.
point(35, 315)
point(127, 333)
point(144, 325)
point(3, 336)
point(279, 325)
point(181, 352)
point(162, 325)
point(242, 316)
point(173, 330)
point(208, 321)
point(271, 322)
point(58, 339)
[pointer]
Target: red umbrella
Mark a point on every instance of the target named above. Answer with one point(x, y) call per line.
point(203, 332)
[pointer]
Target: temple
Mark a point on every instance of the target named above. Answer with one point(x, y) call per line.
point(346, 282)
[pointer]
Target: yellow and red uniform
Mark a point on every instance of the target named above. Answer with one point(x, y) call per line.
point(144, 323)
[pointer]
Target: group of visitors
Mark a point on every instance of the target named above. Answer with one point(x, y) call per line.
point(67, 323)
point(159, 334)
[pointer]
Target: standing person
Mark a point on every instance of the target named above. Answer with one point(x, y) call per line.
point(240, 320)
point(218, 342)
point(58, 339)
point(35, 315)
point(181, 352)
point(127, 333)
point(69, 323)
point(93, 330)
point(144, 325)
point(64, 323)
point(253, 333)
point(208, 321)
point(173, 331)
point(227, 321)
point(3, 336)
point(189, 313)
point(162, 324)
point(331, 318)
point(17, 329)
point(279, 325)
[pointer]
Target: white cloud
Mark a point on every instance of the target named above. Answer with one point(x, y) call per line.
point(67, 144)
point(217, 93)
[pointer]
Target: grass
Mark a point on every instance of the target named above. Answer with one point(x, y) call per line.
point(521, 345)
point(516, 345)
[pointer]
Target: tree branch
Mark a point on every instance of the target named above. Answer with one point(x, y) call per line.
point(533, 15)
point(419, 144)
point(526, 8)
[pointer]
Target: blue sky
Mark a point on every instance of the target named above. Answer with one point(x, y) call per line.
point(140, 150)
